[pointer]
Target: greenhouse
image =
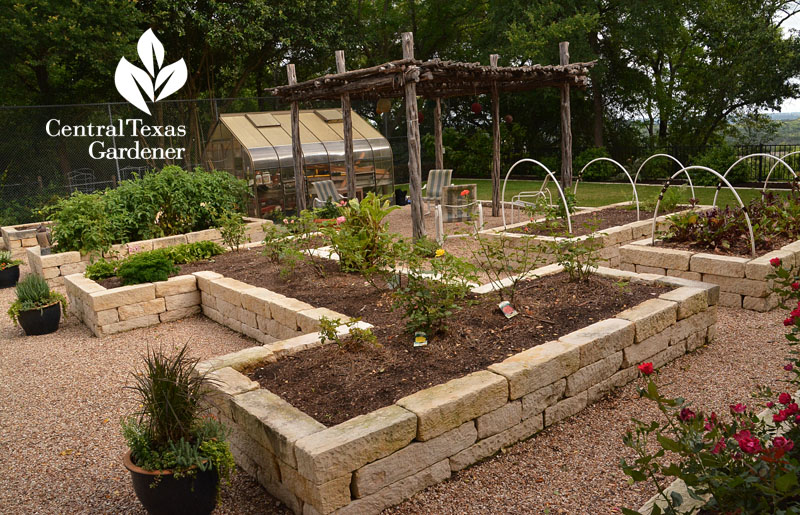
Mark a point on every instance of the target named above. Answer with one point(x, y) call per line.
point(257, 147)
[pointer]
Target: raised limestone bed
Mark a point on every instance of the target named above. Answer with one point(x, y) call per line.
point(610, 239)
point(54, 267)
point(17, 238)
point(256, 312)
point(742, 280)
point(376, 460)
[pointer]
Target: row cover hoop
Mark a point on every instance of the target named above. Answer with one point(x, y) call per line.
point(550, 174)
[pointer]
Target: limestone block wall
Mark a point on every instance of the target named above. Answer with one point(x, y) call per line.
point(610, 239)
point(376, 460)
point(17, 238)
point(54, 267)
point(742, 280)
point(263, 315)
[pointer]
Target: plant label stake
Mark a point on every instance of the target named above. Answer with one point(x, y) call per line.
point(507, 309)
point(420, 339)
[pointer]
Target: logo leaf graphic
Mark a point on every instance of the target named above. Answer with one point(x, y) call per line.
point(173, 77)
point(148, 46)
point(127, 77)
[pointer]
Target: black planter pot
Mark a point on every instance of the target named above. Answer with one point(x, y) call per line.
point(188, 495)
point(40, 321)
point(9, 276)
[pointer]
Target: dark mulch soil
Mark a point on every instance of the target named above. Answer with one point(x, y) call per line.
point(739, 247)
point(334, 385)
point(583, 223)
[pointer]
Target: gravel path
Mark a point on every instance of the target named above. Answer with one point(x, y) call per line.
point(61, 399)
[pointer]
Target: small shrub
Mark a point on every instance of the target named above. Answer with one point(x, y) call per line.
point(599, 171)
point(292, 244)
point(82, 223)
point(500, 258)
point(578, 257)
point(146, 267)
point(357, 337)
point(428, 298)
point(34, 293)
point(233, 230)
point(101, 269)
point(719, 158)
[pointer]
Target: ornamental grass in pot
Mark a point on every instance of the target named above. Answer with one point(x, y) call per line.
point(37, 308)
point(9, 269)
point(177, 454)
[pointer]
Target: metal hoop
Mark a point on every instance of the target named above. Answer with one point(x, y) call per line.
point(719, 184)
point(550, 174)
point(688, 178)
point(633, 183)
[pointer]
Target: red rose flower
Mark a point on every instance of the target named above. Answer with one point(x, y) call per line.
point(464, 193)
point(738, 408)
point(718, 447)
point(788, 321)
point(646, 368)
point(792, 409)
point(789, 367)
point(797, 419)
point(784, 398)
point(747, 443)
point(770, 404)
point(710, 422)
point(782, 443)
point(687, 415)
point(796, 286)
point(779, 416)
point(775, 261)
point(795, 312)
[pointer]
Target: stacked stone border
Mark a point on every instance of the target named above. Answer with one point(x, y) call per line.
point(54, 267)
point(742, 280)
point(263, 315)
point(376, 460)
point(610, 239)
point(18, 238)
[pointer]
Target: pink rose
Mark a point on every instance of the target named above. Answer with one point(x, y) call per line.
point(340, 220)
point(738, 408)
point(782, 443)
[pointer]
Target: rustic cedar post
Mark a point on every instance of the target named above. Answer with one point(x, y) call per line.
point(412, 130)
point(297, 149)
point(495, 141)
point(566, 122)
point(437, 134)
point(348, 132)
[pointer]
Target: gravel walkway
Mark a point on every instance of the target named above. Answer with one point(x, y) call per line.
point(61, 401)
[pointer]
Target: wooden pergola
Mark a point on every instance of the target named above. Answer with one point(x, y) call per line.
point(434, 79)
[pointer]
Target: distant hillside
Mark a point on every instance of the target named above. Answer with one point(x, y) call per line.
point(783, 116)
point(789, 131)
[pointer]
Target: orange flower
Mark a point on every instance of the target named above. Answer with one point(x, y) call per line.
point(465, 193)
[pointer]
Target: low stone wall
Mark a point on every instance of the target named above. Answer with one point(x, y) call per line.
point(742, 280)
point(261, 314)
point(17, 238)
point(379, 459)
point(609, 239)
point(54, 267)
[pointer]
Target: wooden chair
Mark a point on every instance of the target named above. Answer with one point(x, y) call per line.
point(324, 191)
point(437, 179)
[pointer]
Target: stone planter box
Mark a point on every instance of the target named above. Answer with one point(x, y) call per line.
point(742, 280)
point(610, 239)
point(18, 238)
point(376, 460)
point(258, 313)
point(55, 267)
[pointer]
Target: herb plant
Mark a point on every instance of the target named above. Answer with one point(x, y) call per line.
point(146, 267)
point(34, 293)
point(101, 269)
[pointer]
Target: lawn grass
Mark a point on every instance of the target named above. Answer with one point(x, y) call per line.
point(601, 194)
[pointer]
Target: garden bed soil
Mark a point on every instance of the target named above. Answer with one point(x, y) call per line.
point(334, 385)
point(738, 248)
point(604, 219)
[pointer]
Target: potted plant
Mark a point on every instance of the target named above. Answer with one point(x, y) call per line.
point(9, 269)
point(37, 308)
point(177, 456)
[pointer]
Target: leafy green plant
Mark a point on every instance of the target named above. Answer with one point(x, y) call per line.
point(233, 230)
point(578, 256)
point(361, 239)
point(101, 269)
point(146, 267)
point(356, 338)
point(428, 297)
point(292, 244)
point(673, 197)
point(191, 252)
point(81, 222)
point(34, 293)
point(330, 210)
point(169, 431)
point(7, 260)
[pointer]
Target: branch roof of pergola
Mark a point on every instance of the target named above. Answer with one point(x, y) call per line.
point(434, 79)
